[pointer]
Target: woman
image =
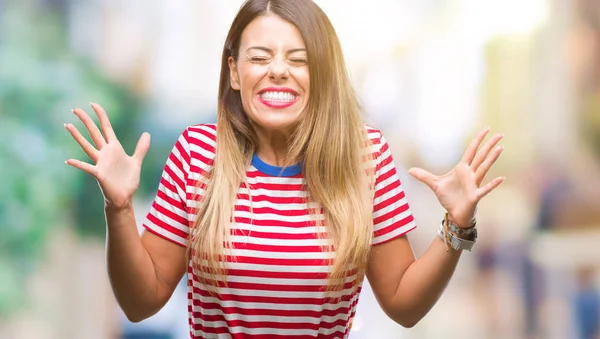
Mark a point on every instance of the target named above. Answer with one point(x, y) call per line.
point(279, 210)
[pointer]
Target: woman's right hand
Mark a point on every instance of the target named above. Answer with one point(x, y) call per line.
point(117, 173)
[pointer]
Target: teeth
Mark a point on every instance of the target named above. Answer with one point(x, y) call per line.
point(278, 96)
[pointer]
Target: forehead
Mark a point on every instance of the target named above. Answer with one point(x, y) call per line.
point(272, 32)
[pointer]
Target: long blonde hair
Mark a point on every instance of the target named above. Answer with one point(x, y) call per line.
point(330, 141)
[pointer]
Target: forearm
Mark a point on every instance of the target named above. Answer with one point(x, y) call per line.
point(423, 283)
point(130, 268)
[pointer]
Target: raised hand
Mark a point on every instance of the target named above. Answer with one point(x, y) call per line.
point(117, 173)
point(459, 190)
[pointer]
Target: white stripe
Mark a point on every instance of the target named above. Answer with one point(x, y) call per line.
point(203, 152)
point(272, 306)
point(394, 233)
point(275, 193)
point(166, 233)
point(280, 268)
point(278, 242)
point(265, 331)
point(167, 205)
point(271, 318)
point(392, 220)
point(284, 255)
point(195, 134)
point(277, 206)
point(276, 281)
point(389, 194)
point(276, 217)
point(272, 180)
point(390, 207)
point(279, 229)
point(274, 294)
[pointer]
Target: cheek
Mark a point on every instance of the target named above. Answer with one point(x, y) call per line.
point(250, 77)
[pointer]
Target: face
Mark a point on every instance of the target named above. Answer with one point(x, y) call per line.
point(271, 73)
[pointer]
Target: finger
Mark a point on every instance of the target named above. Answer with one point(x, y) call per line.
point(487, 164)
point(91, 152)
point(142, 147)
point(91, 127)
point(474, 146)
point(423, 176)
point(84, 166)
point(485, 190)
point(485, 151)
point(109, 133)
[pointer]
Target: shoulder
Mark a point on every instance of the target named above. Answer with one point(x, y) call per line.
point(377, 140)
point(198, 142)
point(203, 136)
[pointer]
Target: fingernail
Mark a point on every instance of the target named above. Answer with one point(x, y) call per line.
point(65, 125)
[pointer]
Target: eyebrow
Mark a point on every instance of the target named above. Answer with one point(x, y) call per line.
point(268, 50)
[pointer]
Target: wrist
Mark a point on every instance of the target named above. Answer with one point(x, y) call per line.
point(456, 237)
point(118, 209)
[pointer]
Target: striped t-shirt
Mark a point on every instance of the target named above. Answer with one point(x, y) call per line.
point(276, 283)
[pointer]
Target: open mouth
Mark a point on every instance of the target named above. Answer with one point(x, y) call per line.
point(277, 98)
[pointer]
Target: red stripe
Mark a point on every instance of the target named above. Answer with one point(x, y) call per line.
point(394, 226)
point(277, 275)
point(271, 199)
point(269, 210)
point(244, 220)
point(272, 300)
point(153, 219)
point(272, 312)
point(390, 214)
point(169, 212)
point(277, 248)
point(162, 236)
point(277, 187)
point(390, 201)
point(272, 235)
point(393, 185)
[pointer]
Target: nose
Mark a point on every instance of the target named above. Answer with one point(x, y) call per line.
point(278, 69)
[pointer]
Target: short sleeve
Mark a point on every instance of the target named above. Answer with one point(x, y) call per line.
point(392, 217)
point(168, 215)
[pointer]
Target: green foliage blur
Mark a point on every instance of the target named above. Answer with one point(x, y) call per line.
point(41, 80)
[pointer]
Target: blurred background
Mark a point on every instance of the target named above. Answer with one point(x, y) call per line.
point(429, 74)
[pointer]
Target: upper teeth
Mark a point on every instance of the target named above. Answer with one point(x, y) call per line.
point(278, 96)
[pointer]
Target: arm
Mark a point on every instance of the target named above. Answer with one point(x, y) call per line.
point(405, 288)
point(143, 272)
point(156, 262)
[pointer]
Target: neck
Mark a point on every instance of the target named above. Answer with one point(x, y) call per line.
point(272, 146)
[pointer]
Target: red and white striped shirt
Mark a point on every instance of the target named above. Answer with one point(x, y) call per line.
point(276, 283)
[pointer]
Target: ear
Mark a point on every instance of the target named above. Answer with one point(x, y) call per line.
point(233, 74)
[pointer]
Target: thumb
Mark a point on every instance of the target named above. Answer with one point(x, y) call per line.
point(422, 175)
point(142, 147)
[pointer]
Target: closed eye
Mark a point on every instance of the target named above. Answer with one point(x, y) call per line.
point(297, 62)
point(259, 59)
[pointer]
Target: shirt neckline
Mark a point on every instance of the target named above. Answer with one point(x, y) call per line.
point(275, 171)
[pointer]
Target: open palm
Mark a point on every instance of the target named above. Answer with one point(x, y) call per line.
point(459, 190)
point(117, 173)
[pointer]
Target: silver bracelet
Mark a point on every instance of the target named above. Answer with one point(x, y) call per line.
point(455, 241)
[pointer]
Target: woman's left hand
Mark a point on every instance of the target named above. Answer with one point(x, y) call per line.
point(459, 190)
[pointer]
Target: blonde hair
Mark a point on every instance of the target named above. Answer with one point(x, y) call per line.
point(330, 141)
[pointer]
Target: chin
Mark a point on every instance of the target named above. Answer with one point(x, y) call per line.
point(277, 121)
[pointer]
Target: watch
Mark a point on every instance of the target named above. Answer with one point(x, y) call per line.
point(458, 243)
